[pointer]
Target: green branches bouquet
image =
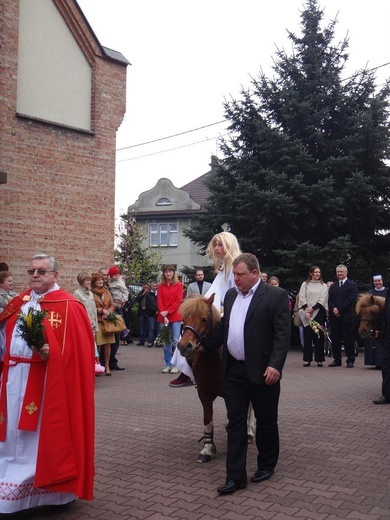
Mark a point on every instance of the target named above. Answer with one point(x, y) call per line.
point(112, 317)
point(165, 336)
point(32, 329)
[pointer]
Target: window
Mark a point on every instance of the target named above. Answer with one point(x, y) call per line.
point(163, 235)
point(164, 201)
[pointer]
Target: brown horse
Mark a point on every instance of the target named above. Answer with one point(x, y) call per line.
point(369, 310)
point(199, 320)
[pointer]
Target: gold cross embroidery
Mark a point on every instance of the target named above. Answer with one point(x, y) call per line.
point(1, 418)
point(31, 408)
point(55, 319)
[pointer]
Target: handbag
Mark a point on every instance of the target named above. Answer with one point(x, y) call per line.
point(297, 322)
point(118, 325)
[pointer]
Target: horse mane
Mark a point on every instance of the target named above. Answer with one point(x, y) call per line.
point(368, 300)
point(194, 305)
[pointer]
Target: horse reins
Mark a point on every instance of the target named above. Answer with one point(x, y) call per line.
point(200, 338)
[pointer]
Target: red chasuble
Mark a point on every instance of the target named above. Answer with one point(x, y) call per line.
point(65, 461)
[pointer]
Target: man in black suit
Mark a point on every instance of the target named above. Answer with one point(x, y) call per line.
point(255, 333)
point(342, 299)
point(385, 398)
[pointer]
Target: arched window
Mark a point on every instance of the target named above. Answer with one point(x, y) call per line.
point(164, 201)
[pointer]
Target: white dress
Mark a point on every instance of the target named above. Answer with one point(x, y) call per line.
point(219, 287)
point(18, 453)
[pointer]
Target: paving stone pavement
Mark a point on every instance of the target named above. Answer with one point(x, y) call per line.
point(334, 461)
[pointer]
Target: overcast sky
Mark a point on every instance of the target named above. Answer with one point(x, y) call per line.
point(188, 56)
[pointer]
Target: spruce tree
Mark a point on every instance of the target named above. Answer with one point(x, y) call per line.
point(139, 263)
point(304, 177)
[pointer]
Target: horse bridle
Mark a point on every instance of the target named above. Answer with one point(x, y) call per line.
point(368, 320)
point(200, 338)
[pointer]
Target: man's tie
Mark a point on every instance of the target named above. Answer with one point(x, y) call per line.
point(341, 283)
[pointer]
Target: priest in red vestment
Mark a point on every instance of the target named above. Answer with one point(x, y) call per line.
point(46, 398)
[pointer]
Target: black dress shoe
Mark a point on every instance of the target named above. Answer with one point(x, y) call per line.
point(230, 487)
point(262, 474)
point(382, 400)
point(349, 364)
point(334, 364)
point(116, 367)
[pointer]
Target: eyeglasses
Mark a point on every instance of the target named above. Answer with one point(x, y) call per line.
point(41, 272)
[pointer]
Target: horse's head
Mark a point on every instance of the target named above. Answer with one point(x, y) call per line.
point(369, 311)
point(199, 318)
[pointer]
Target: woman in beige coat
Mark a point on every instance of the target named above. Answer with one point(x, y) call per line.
point(104, 307)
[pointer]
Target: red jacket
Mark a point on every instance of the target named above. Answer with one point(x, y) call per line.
point(169, 298)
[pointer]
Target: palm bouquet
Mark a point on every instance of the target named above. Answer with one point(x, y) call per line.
point(32, 329)
point(317, 328)
point(165, 336)
point(112, 317)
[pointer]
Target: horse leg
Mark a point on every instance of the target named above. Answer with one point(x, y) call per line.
point(250, 424)
point(209, 449)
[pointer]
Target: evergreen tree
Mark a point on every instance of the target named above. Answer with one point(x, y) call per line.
point(304, 178)
point(138, 263)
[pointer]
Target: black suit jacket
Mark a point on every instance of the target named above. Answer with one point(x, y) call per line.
point(344, 299)
point(267, 331)
point(386, 319)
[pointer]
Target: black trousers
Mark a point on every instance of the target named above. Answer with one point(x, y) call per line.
point(341, 331)
point(238, 391)
point(386, 368)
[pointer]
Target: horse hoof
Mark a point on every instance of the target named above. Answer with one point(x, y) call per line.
point(202, 459)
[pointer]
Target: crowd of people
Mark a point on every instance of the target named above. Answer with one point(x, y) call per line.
point(38, 381)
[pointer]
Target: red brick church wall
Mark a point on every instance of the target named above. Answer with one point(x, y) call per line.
point(59, 195)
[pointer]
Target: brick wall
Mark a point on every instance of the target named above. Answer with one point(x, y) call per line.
point(59, 195)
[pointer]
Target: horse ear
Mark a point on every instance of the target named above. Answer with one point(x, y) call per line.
point(210, 300)
point(372, 300)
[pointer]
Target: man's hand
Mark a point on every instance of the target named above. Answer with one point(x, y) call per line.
point(271, 375)
point(43, 352)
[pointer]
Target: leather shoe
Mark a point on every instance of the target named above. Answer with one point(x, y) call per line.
point(262, 474)
point(230, 487)
point(334, 364)
point(382, 400)
point(116, 367)
point(349, 364)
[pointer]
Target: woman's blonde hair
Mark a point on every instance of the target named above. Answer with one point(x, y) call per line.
point(231, 247)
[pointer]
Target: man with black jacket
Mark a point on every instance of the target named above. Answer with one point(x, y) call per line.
point(152, 311)
point(342, 299)
point(385, 399)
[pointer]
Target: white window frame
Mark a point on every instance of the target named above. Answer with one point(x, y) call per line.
point(164, 234)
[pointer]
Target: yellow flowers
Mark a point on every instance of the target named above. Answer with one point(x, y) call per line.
point(31, 328)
